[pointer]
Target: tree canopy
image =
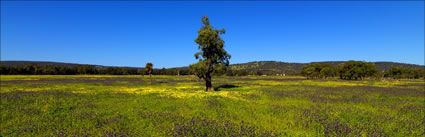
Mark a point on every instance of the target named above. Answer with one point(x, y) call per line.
point(357, 70)
point(316, 70)
point(399, 73)
point(149, 68)
point(199, 69)
point(212, 52)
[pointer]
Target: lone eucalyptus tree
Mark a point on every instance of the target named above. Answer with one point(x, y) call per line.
point(149, 69)
point(212, 54)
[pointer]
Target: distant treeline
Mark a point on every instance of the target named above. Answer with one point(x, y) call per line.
point(354, 70)
point(402, 73)
point(351, 70)
point(33, 69)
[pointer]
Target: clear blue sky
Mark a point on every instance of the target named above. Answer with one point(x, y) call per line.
point(133, 33)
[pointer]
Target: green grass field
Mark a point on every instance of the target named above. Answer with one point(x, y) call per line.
point(103, 105)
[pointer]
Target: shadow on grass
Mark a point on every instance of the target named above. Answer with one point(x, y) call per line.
point(225, 86)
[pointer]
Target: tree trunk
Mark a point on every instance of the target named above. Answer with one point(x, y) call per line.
point(208, 83)
point(208, 80)
point(151, 78)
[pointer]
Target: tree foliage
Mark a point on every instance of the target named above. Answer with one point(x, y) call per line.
point(199, 69)
point(316, 70)
point(149, 68)
point(212, 52)
point(34, 69)
point(354, 70)
point(409, 73)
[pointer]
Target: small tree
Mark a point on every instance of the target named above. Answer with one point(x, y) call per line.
point(212, 53)
point(149, 69)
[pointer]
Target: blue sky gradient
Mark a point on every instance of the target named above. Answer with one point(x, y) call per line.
point(132, 33)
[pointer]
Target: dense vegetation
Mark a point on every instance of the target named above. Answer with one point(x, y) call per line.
point(354, 70)
point(34, 69)
point(317, 70)
point(275, 67)
point(404, 73)
point(99, 105)
point(357, 70)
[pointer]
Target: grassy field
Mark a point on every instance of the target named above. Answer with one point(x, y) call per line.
point(95, 105)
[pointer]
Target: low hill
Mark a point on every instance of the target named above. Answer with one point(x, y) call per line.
point(50, 63)
point(40, 63)
point(285, 67)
